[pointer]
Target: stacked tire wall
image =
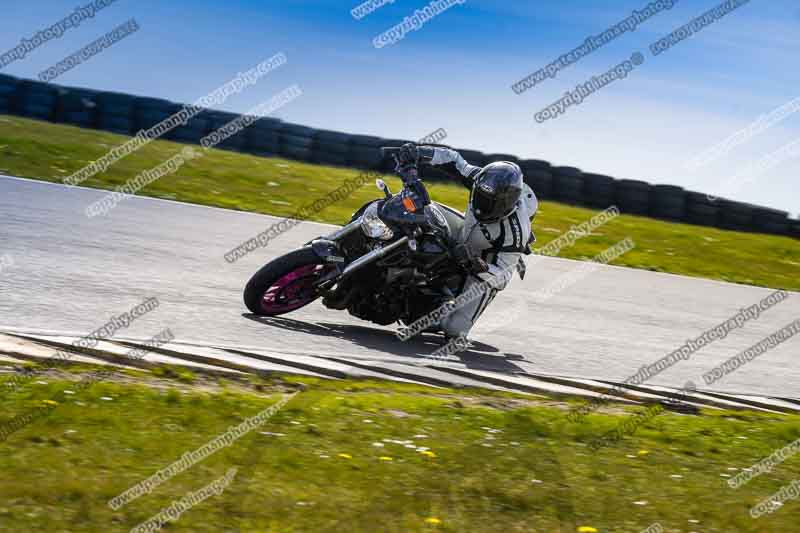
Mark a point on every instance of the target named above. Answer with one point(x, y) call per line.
point(127, 114)
point(9, 86)
point(701, 210)
point(598, 190)
point(115, 113)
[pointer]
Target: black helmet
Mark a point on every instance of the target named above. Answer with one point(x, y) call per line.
point(496, 191)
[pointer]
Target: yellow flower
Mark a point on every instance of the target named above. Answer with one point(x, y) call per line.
point(643, 452)
point(428, 453)
point(587, 529)
point(385, 458)
point(433, 521)
point(345, 456)
point(49, 402)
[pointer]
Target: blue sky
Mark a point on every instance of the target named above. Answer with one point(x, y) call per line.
point(456, 72)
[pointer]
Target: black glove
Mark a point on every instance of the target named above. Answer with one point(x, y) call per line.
point(409, 154)
point(473, 265)
point(479, 266)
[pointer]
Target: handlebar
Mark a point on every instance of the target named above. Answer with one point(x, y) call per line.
point(414, 189)
point(389, 150)
point(424, 154)
point(408, 172)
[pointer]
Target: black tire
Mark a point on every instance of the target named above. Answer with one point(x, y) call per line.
point(332, 137)
point(367, 141)
point(394, 142)
point(9, 86)
point(633, 196)
point(149, 119)
point(267, 135)
point(327, 158)
point(41, 112)
point(369, 158)
point(38, 100)
point(77, 107)
point(736, 216)
point(262, 140)
point(493, 158)
point(599, 190)
point(568, 184)
point(192, 132)
point(297, 130)
point(116, 104)
point(775, 228)
point(297, 153)
point(702, 214)
point(268, 124)
point(332, 148)
point(668, 201)
point(142, 103)
point(771, 221)
point(541, 181)
point(217, 120)
point(297, 141)
point(150, 111)
point(115, 124)
point(794, 229)
point(77, 99)
point(266, 150)
point(84, 119)
point(272, 272)
point(535, 164)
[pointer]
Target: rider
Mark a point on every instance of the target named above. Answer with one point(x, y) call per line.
point(496, 232)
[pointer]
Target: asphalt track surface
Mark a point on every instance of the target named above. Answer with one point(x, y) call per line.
point(72, 273)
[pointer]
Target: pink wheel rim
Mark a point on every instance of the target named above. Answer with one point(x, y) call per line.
point(292, 291)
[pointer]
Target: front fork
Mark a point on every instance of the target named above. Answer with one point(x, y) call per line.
point(327, 247)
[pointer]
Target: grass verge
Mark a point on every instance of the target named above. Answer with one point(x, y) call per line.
point(274, 186)
point(371, 455)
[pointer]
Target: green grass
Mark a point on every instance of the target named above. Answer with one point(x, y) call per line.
point(276, 186)
point(500, 462)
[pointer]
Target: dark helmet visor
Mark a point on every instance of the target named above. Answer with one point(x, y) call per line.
point(486, 206)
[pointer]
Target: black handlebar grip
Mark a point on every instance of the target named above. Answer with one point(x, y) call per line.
point(390, 150)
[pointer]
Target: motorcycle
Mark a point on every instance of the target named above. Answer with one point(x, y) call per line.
point(393, 262)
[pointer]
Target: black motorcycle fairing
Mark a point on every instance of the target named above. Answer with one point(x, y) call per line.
point(440, 219)
point(396, 214)
point(445, 219)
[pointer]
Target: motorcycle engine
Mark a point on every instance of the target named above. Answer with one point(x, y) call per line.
point(377, 308)
point(383, 300)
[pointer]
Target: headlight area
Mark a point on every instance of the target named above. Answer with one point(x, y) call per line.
point(373, 226)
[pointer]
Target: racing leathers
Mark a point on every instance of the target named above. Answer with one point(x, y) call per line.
point(499, 245)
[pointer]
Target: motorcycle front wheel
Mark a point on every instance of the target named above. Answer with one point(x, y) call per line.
point(285, 284)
